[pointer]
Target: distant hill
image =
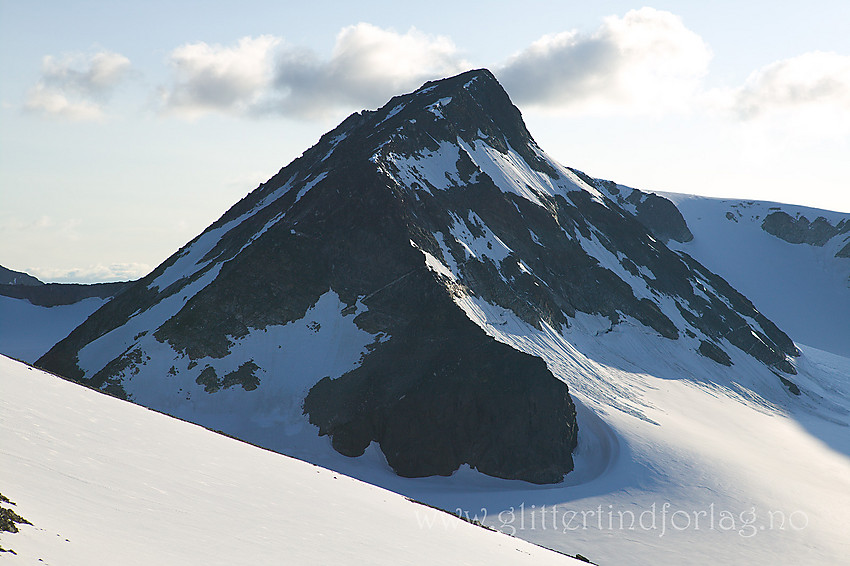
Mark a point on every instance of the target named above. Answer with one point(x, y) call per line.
point(54, 294)
point(35, 315)
point(10, 277)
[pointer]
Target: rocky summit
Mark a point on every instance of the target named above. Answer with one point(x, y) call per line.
point(345, 292)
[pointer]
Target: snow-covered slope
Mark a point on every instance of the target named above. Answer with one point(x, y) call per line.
point(27, 331)
point(803, 287)
point(104, 481)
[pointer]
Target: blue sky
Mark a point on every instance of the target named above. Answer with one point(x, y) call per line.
point(128, 127)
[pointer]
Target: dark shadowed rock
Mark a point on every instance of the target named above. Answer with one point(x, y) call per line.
point(456, 396)
point(657, 214)
point(800, 230)
point(663, 219)
point(713, 351)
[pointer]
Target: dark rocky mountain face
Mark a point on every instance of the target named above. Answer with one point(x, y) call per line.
point(400, 213)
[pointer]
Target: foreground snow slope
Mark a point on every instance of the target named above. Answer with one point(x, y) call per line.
point(107, 482)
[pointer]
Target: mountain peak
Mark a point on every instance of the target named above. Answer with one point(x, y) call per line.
point(466, 109)
point(395, 283)
point(478, 83)
point(463, 79)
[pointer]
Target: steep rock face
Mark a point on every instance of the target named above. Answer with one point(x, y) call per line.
point(454, 396)
point(658, 214)
point(337, 284)
point(579, 251)
point(439, 392)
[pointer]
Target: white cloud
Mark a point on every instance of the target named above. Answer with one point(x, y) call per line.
point(807, 95)
point(52, 102)
point(646, 62)
point(788, 107)
point(262, 75)
point(219, 78)
point(91, 75)
point(812, 79)
point(76, 86)
point(368, 65)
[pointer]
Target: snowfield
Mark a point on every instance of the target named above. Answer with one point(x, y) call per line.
point(27, 331)
point(107, 482)
point(803, 288)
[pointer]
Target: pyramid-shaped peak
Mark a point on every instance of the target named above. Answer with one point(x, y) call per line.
point(469, 109)
point(477, 90)
point(363, 286)
point(462, 105)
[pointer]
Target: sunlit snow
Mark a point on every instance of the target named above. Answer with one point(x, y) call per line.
point(104, 481)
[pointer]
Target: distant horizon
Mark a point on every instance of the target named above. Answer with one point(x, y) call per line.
point(155, 118)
